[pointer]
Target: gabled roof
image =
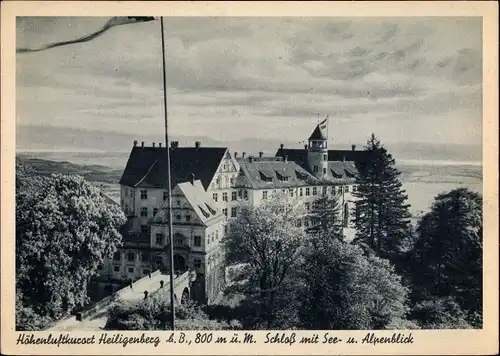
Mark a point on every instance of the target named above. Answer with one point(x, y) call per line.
point(147, 166)
point(199, 200)
point(318, 134)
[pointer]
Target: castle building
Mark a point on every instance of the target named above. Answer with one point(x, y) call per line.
point(208, 185)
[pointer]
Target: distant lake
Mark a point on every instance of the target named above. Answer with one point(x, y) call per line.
point(422, 180)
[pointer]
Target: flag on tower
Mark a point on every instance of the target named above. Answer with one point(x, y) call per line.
point(323, 124)
point(113, 22)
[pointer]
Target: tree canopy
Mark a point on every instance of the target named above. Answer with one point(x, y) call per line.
point(447, 256)
point(65, 228)
point(267, 240)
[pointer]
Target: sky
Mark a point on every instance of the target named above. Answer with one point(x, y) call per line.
point(408, 80)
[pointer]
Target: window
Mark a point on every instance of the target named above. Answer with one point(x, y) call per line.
point(131, 270)
point(216, 234)
point(308, 206)
point(116, 256)
point(224, 211)
point(116, 268)
point(178, 203)
point(126, 209)
point(159, 239)
point(315, 169)
point(217, 181)
point(233, 196)
point(131, 257)
point(165, 196)
point(144, 229)
point(315, 191)
point(145, 257)
point(145, 271)
point(144, 212)
point(197, 241)
point(144, 194)
point(155, 210)
point(245, 195)
point(324, 170)
point(224, 196)
point(300, 191)
point(188, 217)
point(179, 240)
point(291, 192)
point(214, 195)
point(178, 217)
point(308, 192)
point(226, 228)
point(264, 194)
point(158, 260)
point(208, 239)
point(325, 157)
point(197, 263)
point(126, 192)
point(231, 180)
point(234, 210)
point(324, 190)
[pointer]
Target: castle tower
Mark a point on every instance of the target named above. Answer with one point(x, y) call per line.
point(317, 151)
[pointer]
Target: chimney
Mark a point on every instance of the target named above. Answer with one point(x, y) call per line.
point(154, 144)
point(343, 158)
point(286, 158)
point(261, 154)
point(282, 146)
point(192, 178)
point(197, 144)
point(243, 154)
point(174, 144)
point(135, 143)
point(142, 144)
point(250, 159)
point(305, 147)
point(236, 155)
point(159, 144)
point(353, 147)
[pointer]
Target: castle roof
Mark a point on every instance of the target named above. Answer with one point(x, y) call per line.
point(147, 166)
point(318, 134)
point(273, 174)
point(299, 155)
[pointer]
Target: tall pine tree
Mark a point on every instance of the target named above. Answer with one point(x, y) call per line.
point(382, 217)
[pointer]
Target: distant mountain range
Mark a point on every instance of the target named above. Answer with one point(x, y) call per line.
point(61, 139)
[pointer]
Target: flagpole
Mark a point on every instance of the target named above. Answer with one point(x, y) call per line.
point(169, 180)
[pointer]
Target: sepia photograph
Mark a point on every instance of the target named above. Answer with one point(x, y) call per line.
point(248, 173)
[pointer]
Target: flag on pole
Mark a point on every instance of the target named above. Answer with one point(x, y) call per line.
point(113, 22)
point(323, 124)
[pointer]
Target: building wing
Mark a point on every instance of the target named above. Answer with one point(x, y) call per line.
point(147, 166)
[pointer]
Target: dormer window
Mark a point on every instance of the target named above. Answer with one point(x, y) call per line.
point(282, 177)
point(266, 177)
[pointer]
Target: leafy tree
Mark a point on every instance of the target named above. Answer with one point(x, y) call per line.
point(439, 313)
point(345, 289)
point(65, 228)
point(267, 240)
point(382, 218)
point(447, 257)
point(154, 313)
